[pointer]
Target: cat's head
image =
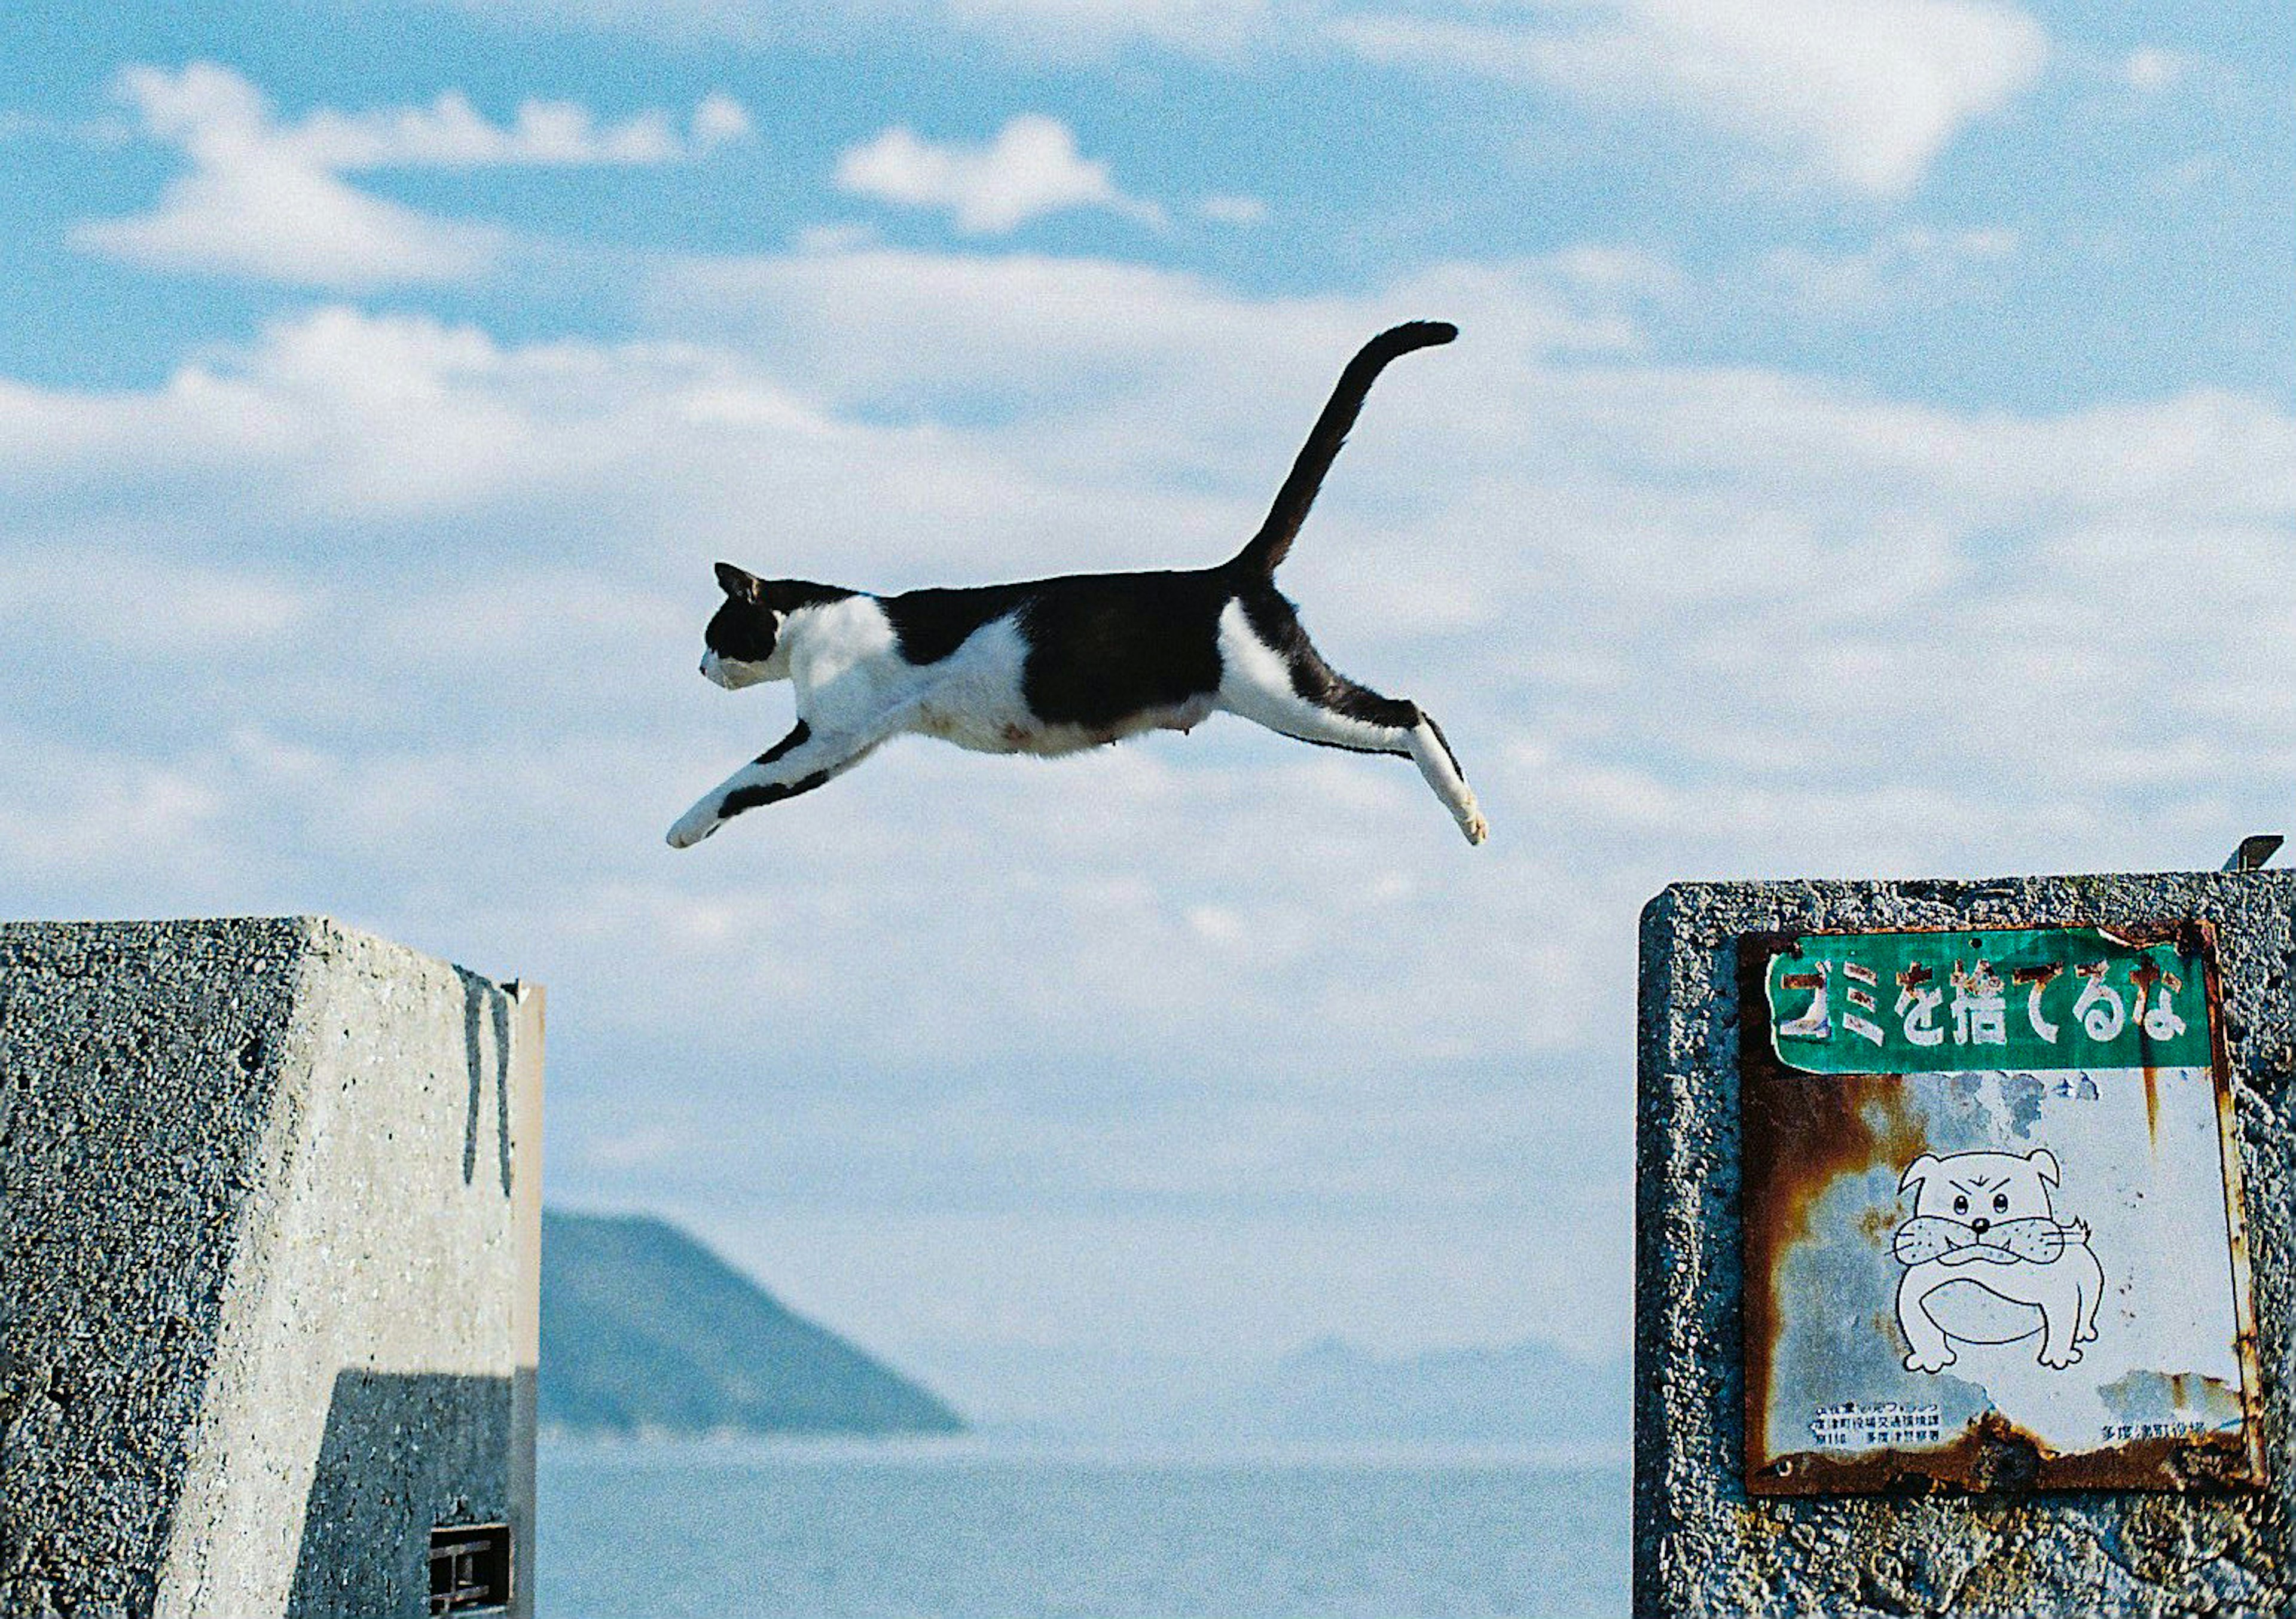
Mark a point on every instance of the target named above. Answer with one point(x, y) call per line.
point(742, 644)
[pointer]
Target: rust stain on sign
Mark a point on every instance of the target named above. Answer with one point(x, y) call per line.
point(1991, 1455)
point(1800, 1138)
point(1975, 1215)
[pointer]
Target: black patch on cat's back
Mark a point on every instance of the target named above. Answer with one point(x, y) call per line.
point(1104, 648)
point(931, 624)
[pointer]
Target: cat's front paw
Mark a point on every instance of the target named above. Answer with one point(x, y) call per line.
point(1474, 826)
point(693, 826)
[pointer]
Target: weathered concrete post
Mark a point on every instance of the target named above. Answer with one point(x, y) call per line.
point(272, 1236)
point(1966, 1247)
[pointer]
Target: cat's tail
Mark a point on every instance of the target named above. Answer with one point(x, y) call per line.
point(1267, 548)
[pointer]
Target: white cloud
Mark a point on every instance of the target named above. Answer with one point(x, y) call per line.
point(976, 330)
point(1897, 265)
point(1233, 210)
point(1624, 270)
point(2153, 68)
point(1061, 30)
point(66, 811)
point(718, 118)
point(265, 199)
point(1030, 168)
point(271, 217)
point(450, 134)
point(336, 417)
point(842, 238)
point(208, 610)
point(1859, 93)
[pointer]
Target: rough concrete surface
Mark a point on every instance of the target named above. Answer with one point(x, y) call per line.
point(272, 1208)
point(1701, 1544)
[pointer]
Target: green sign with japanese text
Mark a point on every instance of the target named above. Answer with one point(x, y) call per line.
point(2003, 998)
point(1989, 1176)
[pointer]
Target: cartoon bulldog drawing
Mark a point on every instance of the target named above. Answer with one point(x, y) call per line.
point(1988, 1260)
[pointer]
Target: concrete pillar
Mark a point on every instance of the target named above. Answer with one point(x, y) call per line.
point(1899, 1541)
point(272, 1233)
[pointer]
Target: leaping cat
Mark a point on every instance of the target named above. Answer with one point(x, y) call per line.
point(1051, 666)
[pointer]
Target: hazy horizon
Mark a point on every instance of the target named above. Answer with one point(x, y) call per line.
point(1122, 1394)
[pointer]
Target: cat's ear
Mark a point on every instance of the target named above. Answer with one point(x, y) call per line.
point(740, 584)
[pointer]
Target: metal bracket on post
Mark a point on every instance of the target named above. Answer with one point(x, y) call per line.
point(2254, 852)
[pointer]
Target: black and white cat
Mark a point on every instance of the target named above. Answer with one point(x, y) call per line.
point(1050, 666)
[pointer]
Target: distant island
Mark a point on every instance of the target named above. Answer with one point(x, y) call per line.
point(1333, 1393)
point(645, 1330)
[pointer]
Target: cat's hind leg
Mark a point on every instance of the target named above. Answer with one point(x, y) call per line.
point(1272, 676)
point(1430, 750)
point(798, 762)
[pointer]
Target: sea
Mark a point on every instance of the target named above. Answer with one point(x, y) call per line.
point(983, 1528)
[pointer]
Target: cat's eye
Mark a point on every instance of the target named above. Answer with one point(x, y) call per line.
point(2000, 1203)
point(1961, 1206)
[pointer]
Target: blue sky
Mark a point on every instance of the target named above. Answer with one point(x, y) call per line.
point(1868, 451)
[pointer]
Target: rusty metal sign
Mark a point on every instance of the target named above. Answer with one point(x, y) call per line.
point(1992, 1214)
